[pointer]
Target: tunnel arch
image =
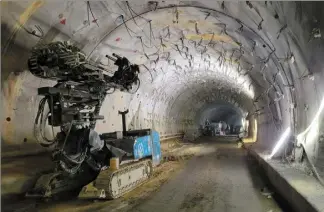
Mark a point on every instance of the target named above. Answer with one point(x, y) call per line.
point(238, 52)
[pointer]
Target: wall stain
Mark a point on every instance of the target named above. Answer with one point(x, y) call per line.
point(11, 92)
point(208, 37)
point(23, 18)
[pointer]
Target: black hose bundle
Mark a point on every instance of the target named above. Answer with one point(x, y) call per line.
point(40, 124)
point(70, 161)
point(70, 165)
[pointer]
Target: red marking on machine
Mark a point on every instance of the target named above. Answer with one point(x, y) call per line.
point(118, 39)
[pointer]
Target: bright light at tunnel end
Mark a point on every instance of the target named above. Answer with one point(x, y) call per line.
point(281, 141)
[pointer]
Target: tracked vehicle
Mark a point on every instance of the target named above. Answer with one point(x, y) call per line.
point(87, 163)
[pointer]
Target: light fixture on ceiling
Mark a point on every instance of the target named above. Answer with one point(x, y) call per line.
point(281, 141)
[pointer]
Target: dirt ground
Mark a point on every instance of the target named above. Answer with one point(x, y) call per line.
point(218, 178)
point(208, 175)
point(172, 164)
point(161, 175)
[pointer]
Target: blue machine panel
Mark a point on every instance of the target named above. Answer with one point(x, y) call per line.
point(157, 155)
point(142, 147)
point(148, 145)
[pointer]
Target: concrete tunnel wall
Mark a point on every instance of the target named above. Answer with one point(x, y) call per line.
point(263, 58)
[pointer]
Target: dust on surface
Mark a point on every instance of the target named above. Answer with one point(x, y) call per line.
point(191, 201)
point(170, 144)
point(216, 179)
point(161, 174)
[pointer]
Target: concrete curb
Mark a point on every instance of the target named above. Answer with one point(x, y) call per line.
point(303, 192)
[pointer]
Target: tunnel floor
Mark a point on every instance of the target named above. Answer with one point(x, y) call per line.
point(224, 180)
point(220, 177)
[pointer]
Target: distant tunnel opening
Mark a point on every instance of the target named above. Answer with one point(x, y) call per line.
point(221, 118)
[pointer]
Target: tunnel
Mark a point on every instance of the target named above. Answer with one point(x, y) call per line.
point(253, 64)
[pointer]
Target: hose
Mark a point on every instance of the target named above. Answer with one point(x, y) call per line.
point(75, 164)
point(68, 161)
point(139, 83)
point(72, 170)
point(78, 160)
point(39, 129)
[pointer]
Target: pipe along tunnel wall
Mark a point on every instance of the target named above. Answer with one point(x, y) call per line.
point(263, 59)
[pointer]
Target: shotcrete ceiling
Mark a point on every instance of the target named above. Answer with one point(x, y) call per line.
point(184, 49)
point(186, 57)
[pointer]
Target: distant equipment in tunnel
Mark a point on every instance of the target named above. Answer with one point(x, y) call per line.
point(216, 128)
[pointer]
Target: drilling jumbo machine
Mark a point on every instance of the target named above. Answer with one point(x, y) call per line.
point(87, 163)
